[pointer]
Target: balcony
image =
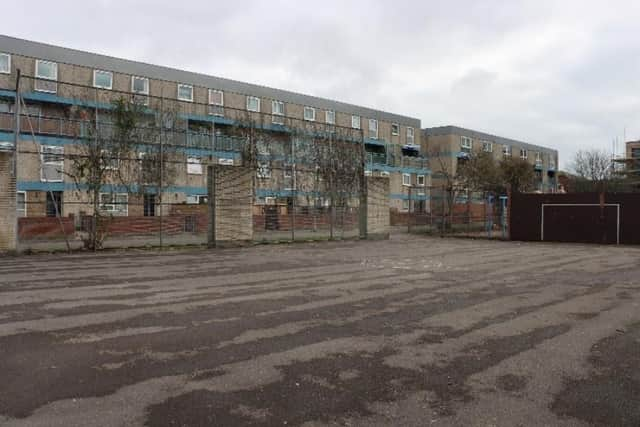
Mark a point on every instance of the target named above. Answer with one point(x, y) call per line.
point(73, 128)
point(376, 159)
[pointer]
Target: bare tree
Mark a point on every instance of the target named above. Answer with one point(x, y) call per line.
point(595, 166)
point(339, 166)
point(108, 152)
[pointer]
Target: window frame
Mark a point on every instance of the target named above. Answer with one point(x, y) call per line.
point(422, 178)
point(328, 113)
point(219, 92)
point(524, 154)
point(306, 109)
point(114, 203)
point(182, 86)
point(371, 134)
point(144, 94)
point(8, 56)
point(110, 73)
point(406, 205)
point(263, 170)
point(253, 98)
point(197, 198)
point(507, 150)
point(215, 108)
point(355, 119)
point(24, 203)
point(539, 157)
point(486, 144)
point(411, 139)
point(406, 175)
point(111, 166)
point(145, 79)
point(463, 143)
point(40, 78)
point(194, 162)
point(277, 117)
point(60, 162)
point(397, 127)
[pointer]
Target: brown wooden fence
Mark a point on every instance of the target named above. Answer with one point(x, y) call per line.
point(609, 218)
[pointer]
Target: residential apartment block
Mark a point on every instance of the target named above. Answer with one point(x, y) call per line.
point(449, 145)
point(632, 156)
point(57, 82)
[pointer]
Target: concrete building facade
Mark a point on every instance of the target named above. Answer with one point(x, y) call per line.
point(448, 145)
point(58, 82)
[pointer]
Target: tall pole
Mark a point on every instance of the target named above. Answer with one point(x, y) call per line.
point(293, 191)
point(161, 159)
point(363, 188)
point(14, 171)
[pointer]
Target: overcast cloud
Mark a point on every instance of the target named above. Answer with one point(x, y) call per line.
point(564, 74)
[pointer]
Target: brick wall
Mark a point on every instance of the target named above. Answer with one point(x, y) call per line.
point(7, 204)
point(378, 220)
point(233, 188)
point(33, 228)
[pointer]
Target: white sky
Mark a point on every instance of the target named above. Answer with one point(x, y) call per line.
point(562, 73)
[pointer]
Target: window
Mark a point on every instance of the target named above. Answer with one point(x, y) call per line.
point(264, 171)
point(330, 117)
point(523, 154)
point(103, 79)
point(194, 166)
point(197, 199)
point(421, 180)
point(406, 179)
point(149, 205)
point(53, 204)
point(140, 88)
point(410, 136)
point(114, 204)
point(405, 205)
point(147, 167)
point(216, 102)
point(21, 203)
point(5, 63)
point(277, 110)
point(395, 129)
point(355, 122)
point(373, 128)
point(253, 104)
point(185, 92)
point(538, 157)
point(111, 160)
point(310, 114)
point(466, 143)
point(47, 75)
point(487, 146)
point(506, 150)
point(52, 167)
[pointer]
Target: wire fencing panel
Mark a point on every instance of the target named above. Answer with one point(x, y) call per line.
point(454, 212)
point(308, 186)
point(109, 169)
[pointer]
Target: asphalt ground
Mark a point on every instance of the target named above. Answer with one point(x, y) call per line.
point(410, 332)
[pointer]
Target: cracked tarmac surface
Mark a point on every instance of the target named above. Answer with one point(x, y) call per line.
point(413, 331)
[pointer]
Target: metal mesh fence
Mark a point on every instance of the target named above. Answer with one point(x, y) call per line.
point(454, 212)
point(109, 169)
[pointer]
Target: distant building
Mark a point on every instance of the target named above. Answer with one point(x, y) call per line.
point(448, 145)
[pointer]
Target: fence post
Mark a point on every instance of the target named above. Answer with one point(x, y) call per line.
point(292, 217)
point(211, 196)
point(362, 211)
